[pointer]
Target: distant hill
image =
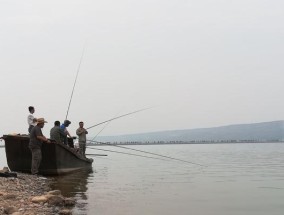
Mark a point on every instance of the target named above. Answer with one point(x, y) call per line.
point(265, 131)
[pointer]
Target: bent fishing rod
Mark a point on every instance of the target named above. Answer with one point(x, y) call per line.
point(103, 128)
point(106, 150)
point(101, 131)
point(78, 69)
point(119, 117)
point(164, 156)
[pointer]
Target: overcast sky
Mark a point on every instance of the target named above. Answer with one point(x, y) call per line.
point(200, 63)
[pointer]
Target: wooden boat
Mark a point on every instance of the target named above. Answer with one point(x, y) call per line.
point(57, 159)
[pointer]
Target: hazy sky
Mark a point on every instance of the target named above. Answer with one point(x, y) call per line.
point(201, 63)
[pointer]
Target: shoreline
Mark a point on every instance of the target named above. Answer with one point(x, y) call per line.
point(28, 194)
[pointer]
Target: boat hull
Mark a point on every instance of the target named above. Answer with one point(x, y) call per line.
point(57, 159)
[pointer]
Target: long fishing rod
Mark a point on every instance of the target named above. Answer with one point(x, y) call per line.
point(125, 153)
point(78, 69)
point(102, 129)
point(119, 117)
point(96, 154)
point(164, 156)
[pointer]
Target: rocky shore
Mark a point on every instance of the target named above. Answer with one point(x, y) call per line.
point(30, 195)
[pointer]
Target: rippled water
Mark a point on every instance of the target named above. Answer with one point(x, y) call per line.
point(239, 179)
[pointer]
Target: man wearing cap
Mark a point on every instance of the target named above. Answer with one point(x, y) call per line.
point(35, 144)
point(64, 129)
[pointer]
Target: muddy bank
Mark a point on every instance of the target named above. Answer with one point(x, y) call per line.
point(31, 195)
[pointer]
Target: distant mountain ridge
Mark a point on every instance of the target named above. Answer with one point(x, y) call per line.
point(264, 131)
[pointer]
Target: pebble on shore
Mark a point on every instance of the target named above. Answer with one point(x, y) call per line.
point(31, 195)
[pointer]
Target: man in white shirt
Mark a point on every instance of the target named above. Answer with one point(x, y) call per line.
point(31, 119)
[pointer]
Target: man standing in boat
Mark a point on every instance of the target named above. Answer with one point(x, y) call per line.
point(35, 144)
point(81, 132)
point(65, 131)
point(56, 133)
point(31, 118)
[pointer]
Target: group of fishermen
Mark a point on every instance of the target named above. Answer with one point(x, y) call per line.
point(58, 134)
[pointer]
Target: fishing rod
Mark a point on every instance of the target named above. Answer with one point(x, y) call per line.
point(78, 69)
point(119, 117)
point(125, 153)
point(164, 156)
point(96, 154)
point(103, 128)
point(100, 131)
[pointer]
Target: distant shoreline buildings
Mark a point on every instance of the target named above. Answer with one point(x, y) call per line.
point(186, 142)
point(264, 132)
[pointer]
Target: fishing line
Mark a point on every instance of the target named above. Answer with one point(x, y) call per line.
point(172, 158)
point(125, 153)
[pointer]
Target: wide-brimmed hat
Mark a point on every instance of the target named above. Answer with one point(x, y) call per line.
point(40, 120)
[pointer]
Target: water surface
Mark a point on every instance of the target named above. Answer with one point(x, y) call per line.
point(238, 179)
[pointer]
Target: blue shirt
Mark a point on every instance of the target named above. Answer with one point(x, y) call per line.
point(63, 127)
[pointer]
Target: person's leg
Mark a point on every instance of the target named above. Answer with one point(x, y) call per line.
point(65, 140)
point(84, 149)
point(30, 128)
point(36, 159)
point(81, 148)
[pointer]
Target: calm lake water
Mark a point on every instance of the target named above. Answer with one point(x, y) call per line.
point(239, 179)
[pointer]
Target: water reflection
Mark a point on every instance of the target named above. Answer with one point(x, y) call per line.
point(239, 179)
point(74, 184)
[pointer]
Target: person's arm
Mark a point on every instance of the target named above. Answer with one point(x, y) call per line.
point(43, 138)
point(79, 131)
point(67, 132)
point(39, 135)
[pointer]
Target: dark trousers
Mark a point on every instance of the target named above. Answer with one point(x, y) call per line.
point(36, 159)
point(65, 140)
point(30, 128)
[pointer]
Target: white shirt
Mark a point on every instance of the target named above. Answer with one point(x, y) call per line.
point(31, 120)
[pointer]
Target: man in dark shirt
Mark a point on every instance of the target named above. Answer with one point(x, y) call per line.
point(36, 140)
point(56, 133)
